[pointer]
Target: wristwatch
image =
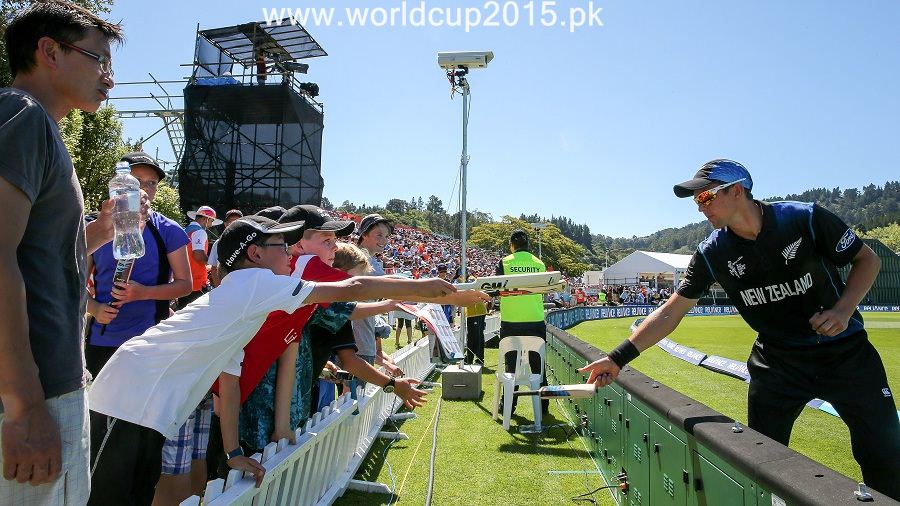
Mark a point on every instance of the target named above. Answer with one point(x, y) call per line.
point(389, 387)
point(237, 452)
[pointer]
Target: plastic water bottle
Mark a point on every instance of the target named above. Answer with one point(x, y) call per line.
point(125, 191)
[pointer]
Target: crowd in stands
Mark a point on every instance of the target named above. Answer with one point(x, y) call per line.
point(419, 254)
point(612, 295)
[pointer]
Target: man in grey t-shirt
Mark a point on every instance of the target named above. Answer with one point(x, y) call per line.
point(59, 56)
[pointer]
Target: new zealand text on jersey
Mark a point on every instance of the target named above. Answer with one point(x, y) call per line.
point(774, 293)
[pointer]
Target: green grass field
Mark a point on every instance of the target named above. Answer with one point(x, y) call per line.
point(477, 462)
point(818, 435)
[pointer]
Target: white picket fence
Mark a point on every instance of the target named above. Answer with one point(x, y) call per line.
point(329, 449)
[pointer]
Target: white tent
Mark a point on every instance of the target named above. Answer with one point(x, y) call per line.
point(593, 278)
point(647, 264)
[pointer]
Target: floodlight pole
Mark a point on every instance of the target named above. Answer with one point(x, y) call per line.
point(463, 165)
point(456, 74)
point(539, 227)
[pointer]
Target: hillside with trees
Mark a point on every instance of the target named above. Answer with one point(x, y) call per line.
point(874, 211)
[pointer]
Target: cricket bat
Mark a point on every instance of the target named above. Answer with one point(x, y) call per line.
point(578, 391)
point(517, 284)
point(121, 275)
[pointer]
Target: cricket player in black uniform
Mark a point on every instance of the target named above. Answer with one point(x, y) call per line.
point(778, 263)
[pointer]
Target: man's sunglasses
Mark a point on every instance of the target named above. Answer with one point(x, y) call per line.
point(104, 61)
point(705, 198)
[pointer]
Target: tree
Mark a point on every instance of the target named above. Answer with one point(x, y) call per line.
point(167, 203)
point(397, 206)
point(435, 205)
point(473, 219)
point(8, 11)
point(347, 207)
point(889, 235)
point(327, 205)
point(95, 144)
point(558, 251)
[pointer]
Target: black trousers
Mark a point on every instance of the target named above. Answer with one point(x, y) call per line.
point(538, 329)
point(215, 453)
point(850, 375)
point(129, 465)
point(95, 357)
point(475, 339)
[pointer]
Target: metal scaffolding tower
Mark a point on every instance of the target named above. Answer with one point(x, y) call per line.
point(245, 132)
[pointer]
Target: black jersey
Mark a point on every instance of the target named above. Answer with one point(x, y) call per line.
point(781, 279)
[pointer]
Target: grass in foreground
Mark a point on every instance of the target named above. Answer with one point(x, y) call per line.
point(819, 436)
point(477, 462)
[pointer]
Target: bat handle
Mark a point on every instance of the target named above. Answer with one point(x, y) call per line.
point(103, 325)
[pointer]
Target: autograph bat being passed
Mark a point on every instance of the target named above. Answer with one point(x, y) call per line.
point(517, 284)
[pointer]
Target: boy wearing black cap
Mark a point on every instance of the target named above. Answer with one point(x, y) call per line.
point(157, 379)
point(320, 232)
point(778, 263)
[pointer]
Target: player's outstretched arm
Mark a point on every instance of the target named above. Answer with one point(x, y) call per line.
point(658, 325)
point(371, 287)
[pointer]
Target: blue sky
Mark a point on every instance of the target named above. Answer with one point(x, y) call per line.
point(596, 125)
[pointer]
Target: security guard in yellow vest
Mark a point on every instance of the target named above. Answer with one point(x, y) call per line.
point(522, 315)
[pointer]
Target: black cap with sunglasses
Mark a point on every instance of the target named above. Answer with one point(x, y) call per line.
point(248, 230)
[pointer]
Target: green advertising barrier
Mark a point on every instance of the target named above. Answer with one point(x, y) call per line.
point(674, 450)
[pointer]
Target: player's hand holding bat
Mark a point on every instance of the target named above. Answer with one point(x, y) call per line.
point(602, 372)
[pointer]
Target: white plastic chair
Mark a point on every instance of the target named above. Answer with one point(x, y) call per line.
point(522, 345)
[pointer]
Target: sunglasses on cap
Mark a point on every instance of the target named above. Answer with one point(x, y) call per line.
point(706, 197)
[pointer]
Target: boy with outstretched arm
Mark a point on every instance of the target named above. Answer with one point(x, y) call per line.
point(155, 380)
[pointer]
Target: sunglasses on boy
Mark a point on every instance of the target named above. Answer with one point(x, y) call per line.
point(705, 198)
point(284, 246)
